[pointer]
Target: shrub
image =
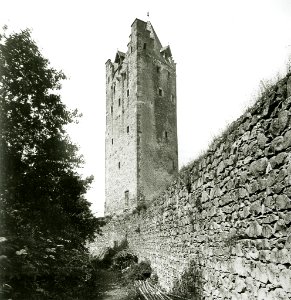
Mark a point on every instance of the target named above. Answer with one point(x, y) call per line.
point(140, 271)
point(123, 259)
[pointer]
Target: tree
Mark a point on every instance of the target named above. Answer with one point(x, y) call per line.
point(45, 218)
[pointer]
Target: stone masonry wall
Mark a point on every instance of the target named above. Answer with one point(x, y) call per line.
point(228, 214)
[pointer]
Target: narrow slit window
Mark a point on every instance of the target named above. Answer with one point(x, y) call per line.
point(119, 165)
point(127, 93)
point(158, 69)
point(111, 109)
point(160, 92)
point(112, 141)
point(144, 46)
point(166, 135)
point(131, 49)
point(172, 98)
point(127, 129)
point(126, 196)
point(119, 102)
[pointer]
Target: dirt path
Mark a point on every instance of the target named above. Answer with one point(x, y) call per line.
point(110, 287)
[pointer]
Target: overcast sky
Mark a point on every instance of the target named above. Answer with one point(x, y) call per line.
point(222, 50)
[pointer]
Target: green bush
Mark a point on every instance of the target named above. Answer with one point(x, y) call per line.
point(138, 271)
point(123, 259)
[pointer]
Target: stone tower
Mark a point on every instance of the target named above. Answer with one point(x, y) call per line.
point(141, 123)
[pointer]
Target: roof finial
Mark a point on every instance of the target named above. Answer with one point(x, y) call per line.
point(148, 15)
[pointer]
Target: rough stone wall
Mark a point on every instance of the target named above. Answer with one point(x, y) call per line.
point(228, 215)
point(121, 133)
point(157, 124)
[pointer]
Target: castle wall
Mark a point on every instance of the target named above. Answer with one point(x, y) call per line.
point(227, 217)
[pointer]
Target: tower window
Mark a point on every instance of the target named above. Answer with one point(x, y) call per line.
point(172, 98)
point(158, 69)
point(126, 196)
point(131, 49)
point(111, 109)
point(169, 74)
point(127, 93)
point(160, 92)
point(114, 89)
point(119, 102)
point(119, 165)
point(144, 46)
point(166, 135)
point(127, 129)
point(112, 141)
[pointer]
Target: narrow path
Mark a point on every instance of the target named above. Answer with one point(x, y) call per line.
point(152, 292)
point(110, 287)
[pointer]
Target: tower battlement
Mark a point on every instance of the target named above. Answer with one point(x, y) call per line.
point(141, 123)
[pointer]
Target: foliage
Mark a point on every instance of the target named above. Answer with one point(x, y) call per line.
point(190, 284)
point(140, 207)
point(138, 271)
point(45, 218)
point(123, 259)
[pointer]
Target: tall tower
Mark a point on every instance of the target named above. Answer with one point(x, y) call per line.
point(141, 123)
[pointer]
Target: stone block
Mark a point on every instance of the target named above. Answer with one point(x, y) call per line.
point(253, 187)
point(277, 294)
point(262, 294)
point(273, 271)
point(285, 279)
point(275, 128)
point(283, 256)
point(260, 272)
point(254, 230)
point(240, 284)
point(283, 118)
point(263, 244)
point(267, 231)
point(264, 255)
point(277, 188)
point(282, 202)
point(252, 254)
point(238, 266)
point(288, 243)
point(287, 139)
point(259, 166)
point(262, 139)
point(256, 207)
point(277, 160)
point(277, 144)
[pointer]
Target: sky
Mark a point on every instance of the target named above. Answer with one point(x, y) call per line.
point(223, 50)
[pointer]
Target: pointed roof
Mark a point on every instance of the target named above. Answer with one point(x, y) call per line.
point(167, 51)
point(153, 35)
point(119, 56)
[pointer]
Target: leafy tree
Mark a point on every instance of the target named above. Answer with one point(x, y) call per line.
point(45, 218)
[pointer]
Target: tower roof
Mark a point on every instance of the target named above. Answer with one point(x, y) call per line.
point(166, 51)
point(153, 34)
point(119, 56)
